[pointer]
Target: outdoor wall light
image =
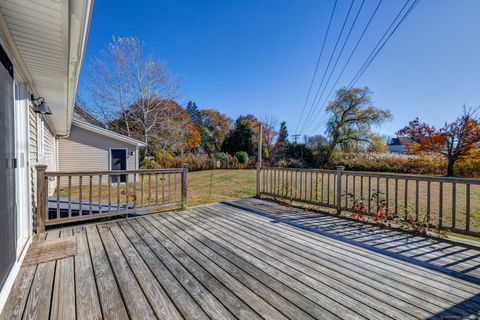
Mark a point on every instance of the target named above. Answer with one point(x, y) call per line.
point(40, 105)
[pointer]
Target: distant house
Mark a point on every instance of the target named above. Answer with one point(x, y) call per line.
point(92, 147)
point(398, 144)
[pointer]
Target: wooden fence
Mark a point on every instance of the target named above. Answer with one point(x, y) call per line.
point(65, 197)
point(448, 203)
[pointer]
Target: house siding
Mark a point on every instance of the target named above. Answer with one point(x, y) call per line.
point(84, 150)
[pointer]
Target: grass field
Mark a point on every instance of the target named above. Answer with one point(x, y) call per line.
point(218, 185)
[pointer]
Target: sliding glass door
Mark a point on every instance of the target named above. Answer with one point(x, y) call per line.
point(7, 170)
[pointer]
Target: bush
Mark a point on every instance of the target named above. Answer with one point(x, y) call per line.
point(242, 157)
point(148, 164)
point(222, 157)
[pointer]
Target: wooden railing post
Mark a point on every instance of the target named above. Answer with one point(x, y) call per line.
point(42, 197)
point(339, 188)
point(184, 185)
point(259, 160)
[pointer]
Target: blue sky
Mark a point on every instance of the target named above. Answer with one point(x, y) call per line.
point(258, 56)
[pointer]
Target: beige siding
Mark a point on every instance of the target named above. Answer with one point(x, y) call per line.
point(84, 150)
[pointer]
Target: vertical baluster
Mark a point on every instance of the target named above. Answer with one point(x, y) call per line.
point(396, 196)
point(361, 187)
point(322, 187)
point(328, 188)
point(135, 189)
point(156, 189)
point(428, 201)
point(467, 207)
point(90, 193)
point(118, 192)
point(334, 189)
point(346, 191)
point(142, 189)
point(126, 192)
point(100, 194)
point(163, 188)
point(387, 196)
point(169, 189)
point(406, 198)
point(378, 192)
point(301, 184)
point(175, 186)
point(354, 188)
point(454, 205)
point(80, 196)
point(271, 181)
point(58, 197)
point(109, 182)
point(149, 189)
point(440, 205)
point(274, 171)
point(69, 196)
point(417, 183)
point(369, 194)
point(306, 184)
point(296, 183)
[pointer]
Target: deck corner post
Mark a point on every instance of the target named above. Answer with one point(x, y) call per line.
point(42, 197)
point(259, 160)
point(340, 170)
point(184, 185)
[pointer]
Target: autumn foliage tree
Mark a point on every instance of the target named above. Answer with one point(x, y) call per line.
point(454, 140)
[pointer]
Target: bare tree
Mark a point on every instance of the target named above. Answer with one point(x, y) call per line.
point(129, 84)
point(270, 133)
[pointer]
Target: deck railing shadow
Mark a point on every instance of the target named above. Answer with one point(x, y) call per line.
point(369, 243)
point(464, 305)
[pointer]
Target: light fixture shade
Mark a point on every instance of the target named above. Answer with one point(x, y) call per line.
point(42, 108)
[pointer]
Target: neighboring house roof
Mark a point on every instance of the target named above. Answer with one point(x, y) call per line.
point(81, 113)
point(400, 141)
point(47, 40)
point(107, 133)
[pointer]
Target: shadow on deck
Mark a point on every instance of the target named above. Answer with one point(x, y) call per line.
point(249, 259)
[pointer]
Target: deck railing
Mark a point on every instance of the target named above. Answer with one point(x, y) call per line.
point(447, 203)
point(65, 197)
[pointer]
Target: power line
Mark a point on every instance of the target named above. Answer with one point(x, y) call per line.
point(328, 64)
point(350, 57)
point(410, 9)
point(316, 66)
point(312, 120)
point(380, 45)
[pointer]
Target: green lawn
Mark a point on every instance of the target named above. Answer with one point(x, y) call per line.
point(219, 185)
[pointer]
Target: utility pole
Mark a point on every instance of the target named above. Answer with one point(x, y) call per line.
point(295, 137)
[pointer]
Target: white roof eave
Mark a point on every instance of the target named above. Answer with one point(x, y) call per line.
point(108, 133)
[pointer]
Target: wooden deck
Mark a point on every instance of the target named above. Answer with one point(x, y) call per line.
point(249, 259)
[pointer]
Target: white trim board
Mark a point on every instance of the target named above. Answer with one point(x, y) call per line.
point(108, 133)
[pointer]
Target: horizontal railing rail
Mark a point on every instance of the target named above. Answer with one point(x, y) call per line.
point(447, 203)
point(66, 197)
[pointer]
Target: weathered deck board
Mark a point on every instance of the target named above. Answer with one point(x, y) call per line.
point(38, 303)
point(108, 292)
point(86, 296)
point(249, 259)
point(63, 299)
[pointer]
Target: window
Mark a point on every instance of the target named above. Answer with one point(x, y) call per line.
point(40, 136)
